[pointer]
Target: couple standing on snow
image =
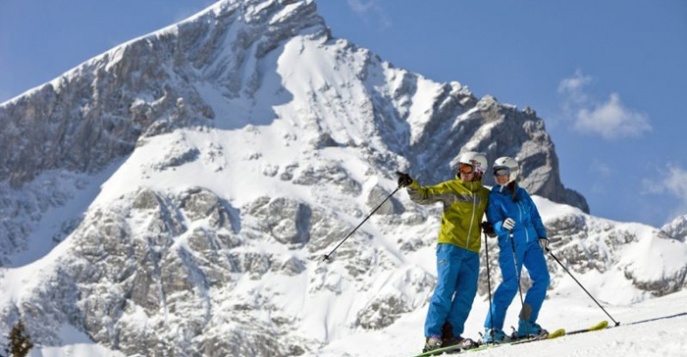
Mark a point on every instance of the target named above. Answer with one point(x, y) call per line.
point(514, 218)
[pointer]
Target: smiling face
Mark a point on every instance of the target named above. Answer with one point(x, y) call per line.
point(501, 180)
point(466, 172)
point(501, 175)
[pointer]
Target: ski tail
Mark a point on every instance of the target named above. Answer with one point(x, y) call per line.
point(438, 351)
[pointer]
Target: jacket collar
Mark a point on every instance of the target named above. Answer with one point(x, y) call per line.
point(470, 185)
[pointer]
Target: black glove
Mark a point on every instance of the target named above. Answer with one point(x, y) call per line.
point(403, 179)
point(488, 229)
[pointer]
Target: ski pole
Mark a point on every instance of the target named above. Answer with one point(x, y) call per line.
point(491, 311)
point(517, 274)
point(585, 290)
point(515, 263)
point(326, 256)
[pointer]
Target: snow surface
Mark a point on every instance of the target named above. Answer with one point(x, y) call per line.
point(657, 327)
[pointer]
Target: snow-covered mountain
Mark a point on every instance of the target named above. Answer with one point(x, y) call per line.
point(175, 195)
point(677, 228)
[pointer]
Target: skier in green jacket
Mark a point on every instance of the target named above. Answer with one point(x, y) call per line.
point(465, 200)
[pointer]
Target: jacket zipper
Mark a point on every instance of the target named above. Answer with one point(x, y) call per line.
point(472, 218)
point(520, 209)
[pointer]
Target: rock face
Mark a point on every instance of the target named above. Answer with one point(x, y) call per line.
point(207, 171)
point(677, 228)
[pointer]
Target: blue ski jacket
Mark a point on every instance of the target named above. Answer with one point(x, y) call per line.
point(528, 224)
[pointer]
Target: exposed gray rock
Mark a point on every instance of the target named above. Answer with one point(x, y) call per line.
point(292, 266)
point(666, 285)
point(376, 198)
point(382, 312)
point(677, 228)
point(326, 230)
point(146, 200)
point(287, 220)
point(331, 174)
point(199, 203)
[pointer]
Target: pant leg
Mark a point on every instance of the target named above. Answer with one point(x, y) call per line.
point(505, 292)
point(539, 273)
point(466, 289)
point(440, 304)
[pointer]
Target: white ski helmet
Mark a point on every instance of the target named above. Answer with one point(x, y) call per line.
point(475, 159)
point(509, 165)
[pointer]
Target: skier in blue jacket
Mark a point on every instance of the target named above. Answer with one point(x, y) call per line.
point(522, 240)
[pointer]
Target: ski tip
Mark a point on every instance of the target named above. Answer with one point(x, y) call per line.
point(557, 333)
point(601, 325)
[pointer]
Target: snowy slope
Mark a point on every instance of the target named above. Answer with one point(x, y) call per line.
point(657, 327)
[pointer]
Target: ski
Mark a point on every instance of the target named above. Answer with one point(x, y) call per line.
point(482, 346)
point(438, 351)
point(556, 333)
point(465, 345)
point(562, 332)
point(600, 326)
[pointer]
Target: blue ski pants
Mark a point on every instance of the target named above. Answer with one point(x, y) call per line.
point(532, 256)
point(457, 274)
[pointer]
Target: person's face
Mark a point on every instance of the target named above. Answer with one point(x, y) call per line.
point(501, 180)
point(501, 176)
point(466, 172)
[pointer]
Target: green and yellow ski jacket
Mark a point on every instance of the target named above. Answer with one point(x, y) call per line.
point(464, 206)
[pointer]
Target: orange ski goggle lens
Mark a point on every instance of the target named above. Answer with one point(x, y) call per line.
point(466, 169)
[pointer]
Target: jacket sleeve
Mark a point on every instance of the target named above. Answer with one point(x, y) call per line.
point(495, 215)
point(535, 218)
point(425, 195)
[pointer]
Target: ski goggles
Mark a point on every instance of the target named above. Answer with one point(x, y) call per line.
point(501, 171)
point(466, 169)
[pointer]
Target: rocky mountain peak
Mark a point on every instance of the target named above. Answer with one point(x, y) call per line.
point(96, 112)
point(677, 228)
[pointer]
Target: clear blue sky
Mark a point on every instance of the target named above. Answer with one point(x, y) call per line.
point(608, 77)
